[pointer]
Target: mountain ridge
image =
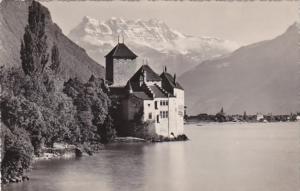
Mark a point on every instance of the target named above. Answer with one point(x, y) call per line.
point(261, 77)
point(13, 19)
point(152, 39)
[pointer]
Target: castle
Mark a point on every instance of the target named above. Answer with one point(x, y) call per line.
point(141, 91)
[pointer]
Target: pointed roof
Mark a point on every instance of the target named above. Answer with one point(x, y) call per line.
point(139, 91)
point(169, 81)
point(121, 51)
point(150, 74)
point(158, 92)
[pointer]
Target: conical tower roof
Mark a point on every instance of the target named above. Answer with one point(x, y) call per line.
point(121, 51)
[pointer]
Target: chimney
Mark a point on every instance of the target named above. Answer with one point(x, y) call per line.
point(129, 88)
point(145, 75)
point(142, 78)
point(175, 79)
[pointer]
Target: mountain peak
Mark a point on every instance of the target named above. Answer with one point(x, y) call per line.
point(14, 18)
point(88, 19)
point(295, 27)
point(151, 38)
point(152, 30)
point(261, 77)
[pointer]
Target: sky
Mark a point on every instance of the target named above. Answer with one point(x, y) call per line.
point(241, 22)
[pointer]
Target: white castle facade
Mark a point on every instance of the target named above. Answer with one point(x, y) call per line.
point(157, 98)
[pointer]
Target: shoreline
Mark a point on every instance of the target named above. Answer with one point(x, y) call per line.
point(65, 151)
point(235, 122)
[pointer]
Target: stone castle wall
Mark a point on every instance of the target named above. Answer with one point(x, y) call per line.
point(123, 70)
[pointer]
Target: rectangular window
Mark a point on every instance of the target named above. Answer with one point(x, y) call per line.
point(160, 114)
point(150, 116)
point(167, 102)
point(167, 114)
point(148, 104)
point(157, 118)
point(164, 114)
point(160, 102)
point(156, 106)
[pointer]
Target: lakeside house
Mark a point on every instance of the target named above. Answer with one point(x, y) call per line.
point(143, 93)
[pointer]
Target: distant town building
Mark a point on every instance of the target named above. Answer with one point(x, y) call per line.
point(259, 117)
point(141, 91)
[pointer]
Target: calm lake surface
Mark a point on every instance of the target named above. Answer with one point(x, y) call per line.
point(219, 157)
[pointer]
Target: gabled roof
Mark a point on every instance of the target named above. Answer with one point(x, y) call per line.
point(150, 74)
point(169, 81)
point(138, 91)
point(142, 95)
point(158, 92)
point(121, 51)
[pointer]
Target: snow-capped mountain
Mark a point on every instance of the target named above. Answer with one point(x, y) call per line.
point(152, 39)
point(261, 77)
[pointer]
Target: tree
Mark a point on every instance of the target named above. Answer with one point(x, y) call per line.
point(92, 109)
point(245, 117)
point(19, 113)
point(33, 51)
point(55, 59)
point(17, 151)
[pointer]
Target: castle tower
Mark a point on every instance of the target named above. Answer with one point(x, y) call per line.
point(120, 65)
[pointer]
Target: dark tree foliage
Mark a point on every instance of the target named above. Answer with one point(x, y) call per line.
point(33, 52)
point(92, 109)
point(17, 151)
point(21, 113)
point(106, 131)
point(36, 113)
point(55, 59)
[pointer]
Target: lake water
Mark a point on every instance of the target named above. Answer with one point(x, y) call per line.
point(219, 157)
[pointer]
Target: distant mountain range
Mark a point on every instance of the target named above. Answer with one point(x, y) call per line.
point(262, 77)
point(13, 18)
point(152, 39)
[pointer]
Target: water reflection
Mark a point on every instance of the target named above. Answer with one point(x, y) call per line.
point(227, 157)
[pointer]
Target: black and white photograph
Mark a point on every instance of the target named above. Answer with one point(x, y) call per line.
point(150, 95)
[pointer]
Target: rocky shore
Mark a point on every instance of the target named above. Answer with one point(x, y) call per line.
point(59, 151)
point(65, 151)
point(153, 139)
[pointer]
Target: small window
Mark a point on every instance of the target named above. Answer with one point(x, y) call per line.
point(167, 114)
point(150, 116)
point(157, 118)
point(167, 102)
point(160, 102)
point(141, 80)
point(164, 114)
point(161, 114)
point(148, 104)
point(156, 106)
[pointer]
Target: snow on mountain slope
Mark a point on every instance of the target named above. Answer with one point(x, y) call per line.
point(151, 39)
point(262, 77)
